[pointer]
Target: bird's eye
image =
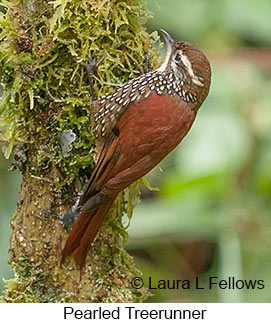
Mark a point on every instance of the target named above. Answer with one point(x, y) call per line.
point(178, 57)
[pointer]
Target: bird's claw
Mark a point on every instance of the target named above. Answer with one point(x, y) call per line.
point(92, 64)
point(147, 65)
point(93, 61)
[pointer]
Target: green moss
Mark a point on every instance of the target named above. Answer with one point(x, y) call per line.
point(45, 91)
point(32, 285)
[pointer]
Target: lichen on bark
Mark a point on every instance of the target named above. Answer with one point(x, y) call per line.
point(44, 93)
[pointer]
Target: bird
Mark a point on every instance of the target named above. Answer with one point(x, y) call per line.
point(135, 127)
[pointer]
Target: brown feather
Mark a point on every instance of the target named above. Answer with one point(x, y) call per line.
point(147, 133)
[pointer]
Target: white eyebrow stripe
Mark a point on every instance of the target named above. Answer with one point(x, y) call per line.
point(188, 65)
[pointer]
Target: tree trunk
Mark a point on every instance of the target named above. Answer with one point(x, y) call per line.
point(45, 93)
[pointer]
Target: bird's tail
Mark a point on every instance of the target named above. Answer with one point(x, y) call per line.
point(84, 231)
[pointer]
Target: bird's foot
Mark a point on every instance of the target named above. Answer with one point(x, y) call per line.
point(90, 67)
point(67, 219)
point(147, 65)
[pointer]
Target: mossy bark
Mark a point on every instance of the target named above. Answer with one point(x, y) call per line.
point(45, 92)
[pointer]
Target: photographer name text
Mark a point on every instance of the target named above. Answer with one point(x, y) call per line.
point(229, 283)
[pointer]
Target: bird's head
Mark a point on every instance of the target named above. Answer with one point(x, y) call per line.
point(190, 66)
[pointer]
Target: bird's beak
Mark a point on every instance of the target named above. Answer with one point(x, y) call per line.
point(170, 49)
point(169, 40)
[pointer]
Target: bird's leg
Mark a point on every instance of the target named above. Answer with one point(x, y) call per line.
point(147, 65)
point(92, 64)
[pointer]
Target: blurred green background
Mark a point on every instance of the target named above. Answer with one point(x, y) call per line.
point(212, 215)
